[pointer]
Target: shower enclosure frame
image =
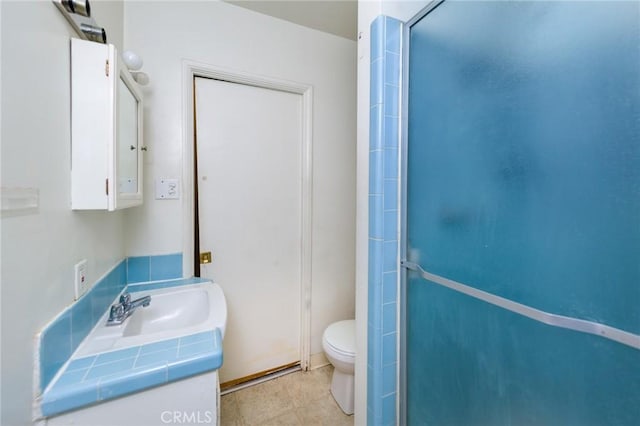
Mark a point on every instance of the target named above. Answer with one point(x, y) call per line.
point(404, 143)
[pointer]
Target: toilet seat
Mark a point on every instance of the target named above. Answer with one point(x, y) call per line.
point(338, 351)
point(340, 337)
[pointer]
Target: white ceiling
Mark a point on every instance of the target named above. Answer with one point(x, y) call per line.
point(339, 17)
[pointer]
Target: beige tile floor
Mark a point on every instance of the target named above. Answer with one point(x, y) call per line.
point(301, 398)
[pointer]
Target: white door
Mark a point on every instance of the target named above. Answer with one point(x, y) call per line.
point(249, 143)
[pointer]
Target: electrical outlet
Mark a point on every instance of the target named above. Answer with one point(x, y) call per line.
point(81, 281)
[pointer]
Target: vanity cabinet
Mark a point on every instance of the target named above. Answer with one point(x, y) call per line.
point(106, 130)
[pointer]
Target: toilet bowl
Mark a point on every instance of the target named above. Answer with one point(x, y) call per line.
point(339, 344)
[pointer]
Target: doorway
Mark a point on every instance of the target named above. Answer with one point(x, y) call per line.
point(254, 179)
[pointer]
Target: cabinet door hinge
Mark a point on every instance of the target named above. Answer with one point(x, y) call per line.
point(106, 68)
point(106, 185)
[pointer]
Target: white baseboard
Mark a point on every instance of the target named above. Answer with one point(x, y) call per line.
point(317, 360)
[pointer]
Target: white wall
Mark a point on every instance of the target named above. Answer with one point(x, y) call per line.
point(368, 10)
point(223, 35)
point(40, 248)
point(403, 10)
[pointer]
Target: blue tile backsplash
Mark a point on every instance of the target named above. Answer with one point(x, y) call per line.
point(62, 336)
point(137, 269)
point(154, 268)
point(65, 333)
point(384, 159)
point(165, 267)
point(55, 347)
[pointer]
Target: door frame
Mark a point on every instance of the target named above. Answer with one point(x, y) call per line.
point(192, 69)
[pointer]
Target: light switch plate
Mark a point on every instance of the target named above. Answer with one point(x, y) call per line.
point(81, 280)
point(167, 189)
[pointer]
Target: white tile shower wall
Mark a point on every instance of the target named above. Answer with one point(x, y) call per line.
point(39, 249)
point(235, 38)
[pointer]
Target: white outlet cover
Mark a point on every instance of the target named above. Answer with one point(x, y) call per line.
point(81, 282)
point(167, 189)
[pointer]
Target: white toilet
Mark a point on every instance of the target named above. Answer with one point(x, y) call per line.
point(339, 344)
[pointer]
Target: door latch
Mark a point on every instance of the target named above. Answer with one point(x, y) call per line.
point(205, 257)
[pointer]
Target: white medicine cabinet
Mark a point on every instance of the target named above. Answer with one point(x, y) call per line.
point(106, 130)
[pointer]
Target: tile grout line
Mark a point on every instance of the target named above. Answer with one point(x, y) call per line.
point(93, 362)
point(135, 361)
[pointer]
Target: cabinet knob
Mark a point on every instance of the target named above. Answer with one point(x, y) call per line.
point(144, 148)
point(132, 148)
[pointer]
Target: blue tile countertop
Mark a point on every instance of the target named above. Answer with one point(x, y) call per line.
point(100, 377)
point(108, 375)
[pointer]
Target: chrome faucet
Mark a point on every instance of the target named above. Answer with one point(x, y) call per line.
point(121, 311)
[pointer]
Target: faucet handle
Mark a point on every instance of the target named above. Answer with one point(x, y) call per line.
point(116, 312)
point(125, 299)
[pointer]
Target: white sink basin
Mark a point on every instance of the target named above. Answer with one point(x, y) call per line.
point(169, 311)
point(173, 312)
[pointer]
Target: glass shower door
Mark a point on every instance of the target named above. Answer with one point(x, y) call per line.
point(523, 210)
